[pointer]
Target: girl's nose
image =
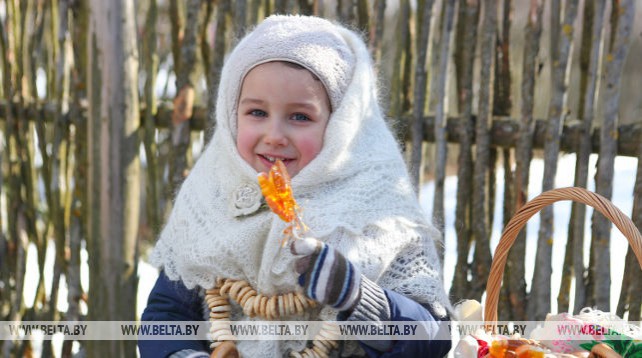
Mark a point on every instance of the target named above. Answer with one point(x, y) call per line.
point(275, 134)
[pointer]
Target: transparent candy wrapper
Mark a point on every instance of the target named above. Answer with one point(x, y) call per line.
point(601, 334)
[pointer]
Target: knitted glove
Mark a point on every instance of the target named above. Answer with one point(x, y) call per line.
point(326, 275)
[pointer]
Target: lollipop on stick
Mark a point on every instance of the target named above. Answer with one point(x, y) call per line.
point(277, 191)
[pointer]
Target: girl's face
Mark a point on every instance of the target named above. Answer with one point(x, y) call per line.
point(282, 114)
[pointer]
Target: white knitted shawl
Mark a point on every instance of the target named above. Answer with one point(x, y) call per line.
point(355, 195)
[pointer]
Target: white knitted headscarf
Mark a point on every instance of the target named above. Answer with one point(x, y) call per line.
point(355, 195)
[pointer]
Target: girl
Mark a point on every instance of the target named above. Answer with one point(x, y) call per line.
point(301, 90)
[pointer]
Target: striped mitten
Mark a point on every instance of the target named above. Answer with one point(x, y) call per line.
point(326, 275)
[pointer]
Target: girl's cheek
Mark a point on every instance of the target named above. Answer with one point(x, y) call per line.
point(243, 140)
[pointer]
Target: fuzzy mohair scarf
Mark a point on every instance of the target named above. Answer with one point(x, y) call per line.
point(356, 194)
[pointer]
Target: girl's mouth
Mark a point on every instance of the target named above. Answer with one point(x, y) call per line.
point(270, 160)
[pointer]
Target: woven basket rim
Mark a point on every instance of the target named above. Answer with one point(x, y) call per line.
point(532, 207)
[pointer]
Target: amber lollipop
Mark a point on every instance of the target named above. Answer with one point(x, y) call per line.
point(276, 188)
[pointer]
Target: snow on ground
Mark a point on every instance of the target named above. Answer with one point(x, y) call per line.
point(624, 178)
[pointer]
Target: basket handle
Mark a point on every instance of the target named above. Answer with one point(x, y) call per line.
point(517, 222)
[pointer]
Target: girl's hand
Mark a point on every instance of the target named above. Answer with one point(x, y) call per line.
point(326, 275)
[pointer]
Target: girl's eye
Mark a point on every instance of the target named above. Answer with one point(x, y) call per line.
point(300, 117)
point(257, 113)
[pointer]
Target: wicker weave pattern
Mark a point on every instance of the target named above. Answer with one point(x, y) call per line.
point(517, 222)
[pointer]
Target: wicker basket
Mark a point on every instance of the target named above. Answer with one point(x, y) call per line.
point(517, 222)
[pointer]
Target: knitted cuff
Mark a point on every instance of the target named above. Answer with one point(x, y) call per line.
point(373, 305)
point(189, 353)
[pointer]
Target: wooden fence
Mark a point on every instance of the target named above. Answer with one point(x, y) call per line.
point(105, 107)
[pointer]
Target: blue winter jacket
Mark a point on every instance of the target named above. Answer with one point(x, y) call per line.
point(172, 301)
